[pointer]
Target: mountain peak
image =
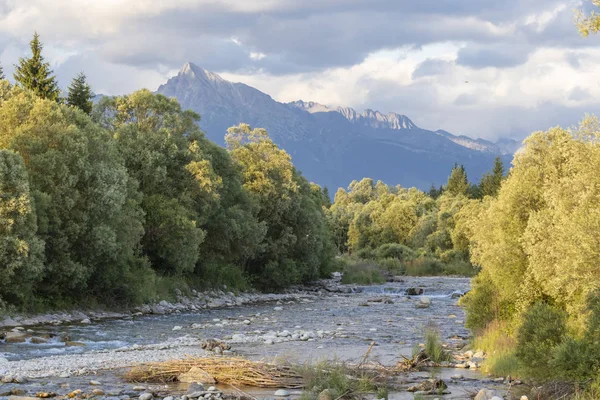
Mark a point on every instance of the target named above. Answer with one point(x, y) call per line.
point(193, 71)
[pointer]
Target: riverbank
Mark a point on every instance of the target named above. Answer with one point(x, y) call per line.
point(198, 301)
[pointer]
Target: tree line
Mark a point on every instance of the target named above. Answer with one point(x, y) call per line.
point(132, 199)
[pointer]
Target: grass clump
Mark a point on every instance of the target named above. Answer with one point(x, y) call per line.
point(433, 346)
point(336, 380)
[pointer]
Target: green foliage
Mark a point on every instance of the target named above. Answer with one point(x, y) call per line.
point(491, 182)
point(2, 73)
point(297, 245)
point(34, 73)
point(433, 346)
point(363, 272)
point(588, 24)
point(542, 330)
point(21, 251)
point(339, 380)
point(80, 94)
point(457, 181)
point(394, 250)
point(480, 303)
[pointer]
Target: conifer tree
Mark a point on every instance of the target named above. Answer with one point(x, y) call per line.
point(458, 182)
point(80, 94)
point(491, 182)
point(34, 73)
point(1, 73)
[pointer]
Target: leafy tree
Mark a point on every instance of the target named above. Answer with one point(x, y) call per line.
point(21, 251)
point(34, 73)
point(87, 206)
point(491, 182)
point(80, 94)
point(589, 23)
point(297, 246)
point(457, 182)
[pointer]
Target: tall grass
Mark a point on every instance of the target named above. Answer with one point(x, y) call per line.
point(500, 349)
point(433, 346)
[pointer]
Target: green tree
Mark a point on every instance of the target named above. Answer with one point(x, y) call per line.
point(80, 94)
point(87, 206)
point(2, 73)
point(297, 246)
point(491, 182)
point(34, 73)
point(458, 184)
point(589, 23)
point(21, 251)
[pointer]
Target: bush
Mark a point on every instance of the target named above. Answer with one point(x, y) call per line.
point(365, 254)
point(460, 268)
point(392, 266)
point(424, 267)
point(362, 272)
point(480, 303)
point(394, 250)
point(543, 329)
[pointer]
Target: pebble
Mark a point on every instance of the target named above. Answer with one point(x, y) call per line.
point(177, 328)
point(246, 322)
point(98, 392)
point(95, 383)
point(212, 389)
point(282, 393)
point(278, 308)
point(146, 396)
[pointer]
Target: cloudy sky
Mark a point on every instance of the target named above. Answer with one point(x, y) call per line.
point(485, 68)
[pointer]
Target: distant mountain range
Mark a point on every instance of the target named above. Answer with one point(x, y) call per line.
point(333, 146)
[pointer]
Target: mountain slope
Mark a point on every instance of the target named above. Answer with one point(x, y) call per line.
point(333, 146)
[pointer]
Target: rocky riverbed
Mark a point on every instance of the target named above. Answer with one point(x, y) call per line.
point(62, 353)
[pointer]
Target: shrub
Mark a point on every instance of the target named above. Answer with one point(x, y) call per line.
point(362, 272)
point(460, 268)
point(424, 267)
point(365, 254)
point(543, 329)
point(392, 265)
point(395, 250)
point(480, 303)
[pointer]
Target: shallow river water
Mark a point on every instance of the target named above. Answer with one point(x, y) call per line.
point(346, 325)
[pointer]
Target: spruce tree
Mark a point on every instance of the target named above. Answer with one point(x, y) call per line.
point(458, 182)
point(491, 182)
point(80, 94)
point(35, 74)
point(1, 73)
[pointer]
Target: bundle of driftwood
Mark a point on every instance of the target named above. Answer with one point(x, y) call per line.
point(228, 370)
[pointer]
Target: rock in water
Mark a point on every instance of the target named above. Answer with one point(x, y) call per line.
point(146, 396)
point(282, 393)
point(195, 387)
point(414, 291)
point(424, 302)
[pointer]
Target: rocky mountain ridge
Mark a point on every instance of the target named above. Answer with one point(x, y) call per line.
point(334, 145)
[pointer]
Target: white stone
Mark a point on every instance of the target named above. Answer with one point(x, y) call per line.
point(146, 396)
point(282, 393)
point(177, 328)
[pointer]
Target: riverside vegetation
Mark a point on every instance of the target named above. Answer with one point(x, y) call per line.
point(121, 203)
